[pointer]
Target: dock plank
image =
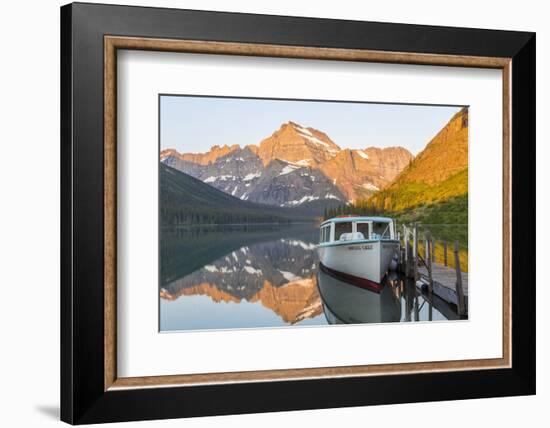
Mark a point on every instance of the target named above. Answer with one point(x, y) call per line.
point(445, 276)
point(444, 282)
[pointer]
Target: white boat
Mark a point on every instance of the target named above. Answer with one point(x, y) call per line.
point(358, 249)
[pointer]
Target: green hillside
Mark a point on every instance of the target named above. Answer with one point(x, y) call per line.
point(185, 200)
point(410, 194)
point(438, 173)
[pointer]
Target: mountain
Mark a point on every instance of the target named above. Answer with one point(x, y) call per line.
point(200, 158)
point(296, 166)
point(173, 159)
point(438, 173)
point(360, 173)
point(288, 185)
point(241, 173)
point(187, 200)
point(235, 173)
point(297, 144)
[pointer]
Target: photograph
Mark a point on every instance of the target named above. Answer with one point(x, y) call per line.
point(238, 214)
point(294, 213)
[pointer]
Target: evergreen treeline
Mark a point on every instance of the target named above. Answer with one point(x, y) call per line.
point(184, 200)
point(181, 215)
point(360, 207)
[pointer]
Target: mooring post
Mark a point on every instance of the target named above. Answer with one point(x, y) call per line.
point(411, 259)
point(432, 251)
point(445, 252)
point(405, 238)
point(426, 251)
point(408, 306)
point(459, 291)
point(407, 255)
point(406, 247)
point(415, 254)
point(416, 305)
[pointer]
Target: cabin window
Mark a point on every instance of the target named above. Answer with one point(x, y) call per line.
point(381, 230)
point(364, 229)
point(341, 228)
point(325, 234)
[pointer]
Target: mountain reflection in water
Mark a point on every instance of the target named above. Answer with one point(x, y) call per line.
point(220, 277)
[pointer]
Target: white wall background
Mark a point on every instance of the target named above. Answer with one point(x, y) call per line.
point(29, 214)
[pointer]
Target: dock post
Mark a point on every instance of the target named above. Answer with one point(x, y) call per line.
point(408, 302)
point(411, 259)
point(445, 253)
point(408, 254)
point(430, 275)
point(415, 253)
point(459, 291)
point(416, 305)
point(432, 250)
point(406, 246)
point(407, 251)
point(427, 251)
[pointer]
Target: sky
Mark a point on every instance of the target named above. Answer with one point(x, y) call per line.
point(194, 124)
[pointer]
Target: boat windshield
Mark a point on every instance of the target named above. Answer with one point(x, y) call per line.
point(381, 230)
point(341, 228)
point(363, 228)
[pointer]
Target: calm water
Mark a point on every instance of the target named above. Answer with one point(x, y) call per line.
point(223, 277)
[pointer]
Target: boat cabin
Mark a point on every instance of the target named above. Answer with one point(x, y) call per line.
point(355, 228)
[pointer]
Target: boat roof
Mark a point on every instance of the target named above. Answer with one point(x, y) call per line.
point(357, 218)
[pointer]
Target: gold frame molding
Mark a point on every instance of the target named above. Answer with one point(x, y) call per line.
point(113, 43)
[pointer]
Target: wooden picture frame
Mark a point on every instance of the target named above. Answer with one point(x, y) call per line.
point(90, 389)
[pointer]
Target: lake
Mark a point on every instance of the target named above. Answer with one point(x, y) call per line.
point(262, 276)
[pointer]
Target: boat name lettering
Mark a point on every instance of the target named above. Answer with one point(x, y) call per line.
point(360, 247)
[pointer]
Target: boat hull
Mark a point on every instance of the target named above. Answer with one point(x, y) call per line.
point(359, 262)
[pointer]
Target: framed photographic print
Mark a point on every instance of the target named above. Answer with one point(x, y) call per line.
point(278, 213)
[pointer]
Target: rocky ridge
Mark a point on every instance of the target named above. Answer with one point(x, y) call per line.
point(296, 165)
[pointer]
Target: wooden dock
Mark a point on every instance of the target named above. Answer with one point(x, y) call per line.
point(444, 282)
point(448, 283)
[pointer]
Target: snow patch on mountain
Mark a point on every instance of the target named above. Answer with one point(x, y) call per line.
point(288, 169)
point(211, 179)
point(289, 276)
point(252, 176)
point(299, 243)
point(370, 186)
point(252, 271)
point(300, 163)
point(301, 201)
point(303, 130)
point(362, 154)
point(308, 135)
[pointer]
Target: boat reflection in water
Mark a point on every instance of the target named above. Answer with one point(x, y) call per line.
point(345, 303)
point(397, 301)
